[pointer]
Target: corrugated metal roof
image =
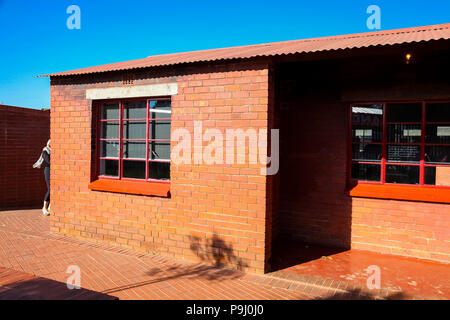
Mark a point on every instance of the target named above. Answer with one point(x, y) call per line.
point(360, 40)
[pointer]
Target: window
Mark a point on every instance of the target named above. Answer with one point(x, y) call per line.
point(401, 143)
point(134, 139)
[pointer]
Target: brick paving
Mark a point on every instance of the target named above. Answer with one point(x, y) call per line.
point(33, 264)
point(29, 249)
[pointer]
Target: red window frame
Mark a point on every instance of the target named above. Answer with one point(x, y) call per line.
point(121, 140)
point(422, 165)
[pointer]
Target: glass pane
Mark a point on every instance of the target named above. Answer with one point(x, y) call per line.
point(403, 153)
point(437, 176)
point(109, 149)
point(438, 133)
point(404, 112)
point(159, 170)
point(438, 112)
point(437, 154)
point(367, 123)
point(109, 168)
point(366, 172)
point(366, 152)
point(134, 130)
point(402, 174)
point(110, 130)
point(404, 133)
point(159, 150)
point(134, 149)
point(160, 109)
point(159, 130)
point(110, 111)
point(134, 169)
point(135, 110)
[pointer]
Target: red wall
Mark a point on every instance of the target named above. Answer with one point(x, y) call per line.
point(23, 134)
point(216, 213)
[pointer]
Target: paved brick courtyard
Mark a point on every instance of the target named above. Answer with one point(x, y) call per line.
point(33, 264)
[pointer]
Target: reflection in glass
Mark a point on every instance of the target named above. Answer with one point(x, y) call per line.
point(159, 170)
point(159, 130)
point(134, 130)
point(110, 130)
point(404, 112)
point(134, 169)
point(402, 153)
point(438, 133)
point(109, 149)
point(437, 154)
point(109, 168)
point(404, 133)
point(438, 112)
point(366, 172)
point(135, 110)
point(134, 149)
point(159, 150)
point(110, 111)
point(402, 174)
point(367, 123)
point(437, 176)
point(366, 152)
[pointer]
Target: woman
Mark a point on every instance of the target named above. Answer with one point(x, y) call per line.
point(45, 158)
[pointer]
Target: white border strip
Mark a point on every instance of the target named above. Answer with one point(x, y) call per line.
point(151, 90)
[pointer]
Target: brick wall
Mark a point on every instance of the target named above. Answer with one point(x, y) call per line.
point(23, 134)
point(216, 213)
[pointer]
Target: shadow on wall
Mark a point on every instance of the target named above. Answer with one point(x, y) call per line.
point(216, 252)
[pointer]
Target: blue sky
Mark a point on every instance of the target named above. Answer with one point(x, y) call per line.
point(35, 40)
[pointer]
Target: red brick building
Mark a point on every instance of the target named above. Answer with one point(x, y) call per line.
point(364, 149)
point(23, 134)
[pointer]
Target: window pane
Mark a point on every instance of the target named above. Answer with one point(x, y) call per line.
point(438, 112)
point(404, 133)
point(109, 168)
point(159, 130)
point(437, 176)
point(134, 130)
point(160, 105)
point(109, 149)
point(402, 174)
point(135, 110)
point(366, 172)
point(437, 154)
point(396, 153)
point(134, 149)
point(110, 111)
point(366, 152)
point(159, 150)
point(404, 112)
point(367, 123)
point(438, 133)
point(110, 130)
point(134, 169)
point(159, 170)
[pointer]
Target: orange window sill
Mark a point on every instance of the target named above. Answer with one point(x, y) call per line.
point(412, 193)
point(131, 187)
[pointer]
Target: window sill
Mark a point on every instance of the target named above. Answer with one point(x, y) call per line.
point(412, 193)
point(144, 188)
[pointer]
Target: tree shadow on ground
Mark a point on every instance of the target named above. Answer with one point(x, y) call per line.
point(47, 289)
point(217, 259)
